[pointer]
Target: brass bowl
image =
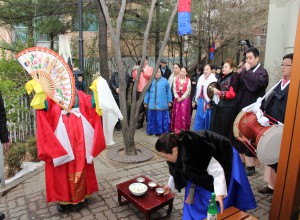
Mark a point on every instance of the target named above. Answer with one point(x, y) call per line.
point(160, 191)
point(140, 179)
point(152, 185)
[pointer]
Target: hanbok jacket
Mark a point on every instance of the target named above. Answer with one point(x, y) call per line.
point(158, 95)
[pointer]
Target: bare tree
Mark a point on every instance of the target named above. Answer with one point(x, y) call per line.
point(227, 22)
point(128, 129)
point(102, 45)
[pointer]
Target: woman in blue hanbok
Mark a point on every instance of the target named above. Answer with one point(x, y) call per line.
point(158, 99)
point(204, 162)
point(203, 113)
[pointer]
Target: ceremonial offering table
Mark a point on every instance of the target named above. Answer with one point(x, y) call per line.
point(147, 203)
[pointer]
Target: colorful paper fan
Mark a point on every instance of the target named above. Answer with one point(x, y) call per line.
point(50, 70)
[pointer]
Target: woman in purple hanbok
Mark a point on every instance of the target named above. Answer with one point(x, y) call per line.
point(181, 113)
point(203, 114)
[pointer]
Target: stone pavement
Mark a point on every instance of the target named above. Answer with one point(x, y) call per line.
point(27, 200)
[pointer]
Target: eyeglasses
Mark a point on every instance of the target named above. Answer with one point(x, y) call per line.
point(286, 64)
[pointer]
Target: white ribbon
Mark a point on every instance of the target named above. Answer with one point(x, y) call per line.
point(110, 110)
point(62, 135)
point(255, 107)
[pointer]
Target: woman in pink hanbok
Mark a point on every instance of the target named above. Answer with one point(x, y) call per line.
point(181, 113)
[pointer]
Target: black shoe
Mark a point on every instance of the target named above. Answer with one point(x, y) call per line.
point(118, 127)
point(138, 126)
point(2, 216)
point(61, 208)
point(250, 171)
point(265, 190)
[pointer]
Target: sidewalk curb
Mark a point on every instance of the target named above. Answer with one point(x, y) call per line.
point(15, 183)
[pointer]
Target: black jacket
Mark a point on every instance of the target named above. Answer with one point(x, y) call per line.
point(3, 121)
point(194, 154)
point(114, 84)
point(194, 78)
point(167, 73)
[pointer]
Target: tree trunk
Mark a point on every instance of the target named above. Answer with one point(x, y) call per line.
point(181, 51)
point(51, 41)
point(157, 31)
point(102, 44)
point(30, 38)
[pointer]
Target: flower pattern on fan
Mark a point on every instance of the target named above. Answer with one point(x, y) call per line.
point(52, 72)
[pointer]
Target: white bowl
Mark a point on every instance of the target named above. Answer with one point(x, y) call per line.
point(140, 179)
point(138, 189)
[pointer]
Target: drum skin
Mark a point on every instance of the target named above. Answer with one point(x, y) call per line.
point(268, 144)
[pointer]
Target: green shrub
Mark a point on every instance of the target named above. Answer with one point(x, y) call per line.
point(14, 158)
point(32, 149)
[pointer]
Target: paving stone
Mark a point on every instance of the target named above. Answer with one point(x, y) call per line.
point(18, 209)
point(21, 201)
point(124, 213)
point(37, 198)
point(23, 217)
point(99, 209)
point(12, 204)
point(2, 206)
point(120, 208)
point(88, 217)
point(17, 214)
point(134, 217)
point(55, 218)
point(110, 215)
point(96, 204)
point(100, 216)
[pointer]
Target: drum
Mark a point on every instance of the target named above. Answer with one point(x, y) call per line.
point(266, 139)
point(268, 143)
point(248, 125)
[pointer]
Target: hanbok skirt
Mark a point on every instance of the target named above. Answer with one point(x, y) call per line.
point(202, 118)
point(239, 195)
point(158, 121)
point(181, 115)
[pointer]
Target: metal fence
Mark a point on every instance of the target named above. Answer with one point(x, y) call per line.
point(93, 65)
point(24, 127)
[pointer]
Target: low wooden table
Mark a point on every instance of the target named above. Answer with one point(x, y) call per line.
point(148, 202)
point(233, 213)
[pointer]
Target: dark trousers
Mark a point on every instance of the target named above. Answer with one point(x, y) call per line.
point(142, 110)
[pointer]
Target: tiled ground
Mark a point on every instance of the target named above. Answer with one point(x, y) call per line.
point(27, 200)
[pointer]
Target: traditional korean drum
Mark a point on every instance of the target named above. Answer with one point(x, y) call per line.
point(267, 139)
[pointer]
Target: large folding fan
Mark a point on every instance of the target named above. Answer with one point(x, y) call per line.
point(52, 72)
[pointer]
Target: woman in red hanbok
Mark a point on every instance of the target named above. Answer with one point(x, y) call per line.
point(181, 113)
point(68, 142)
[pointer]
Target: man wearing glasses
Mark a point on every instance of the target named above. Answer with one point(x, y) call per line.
point(275, 106)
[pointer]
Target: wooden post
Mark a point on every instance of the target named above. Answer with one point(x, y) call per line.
point(286, 199)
